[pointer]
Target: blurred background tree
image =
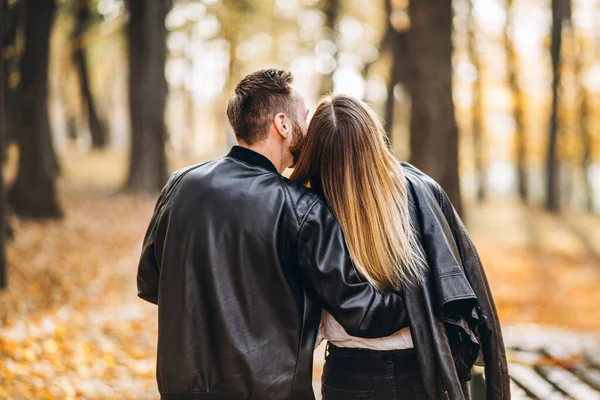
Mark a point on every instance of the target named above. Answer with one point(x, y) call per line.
point(33, 193)
point(84, 18)
point(518, 106)
point(433, 128)
point(146, 34)
point(3, 129)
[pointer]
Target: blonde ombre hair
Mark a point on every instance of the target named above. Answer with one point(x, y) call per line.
point(346, 157)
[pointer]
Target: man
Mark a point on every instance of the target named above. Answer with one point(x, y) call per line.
point(241, 261)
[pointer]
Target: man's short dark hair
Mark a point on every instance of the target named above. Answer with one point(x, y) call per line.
point(257, 99)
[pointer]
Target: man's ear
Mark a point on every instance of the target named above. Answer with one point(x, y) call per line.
point(282, 125)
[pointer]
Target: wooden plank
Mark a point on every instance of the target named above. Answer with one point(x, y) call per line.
point(533, 383)
point(593, 358)
point(524, 357)
point(569, 383)
point(516, 392)
point(588, 374)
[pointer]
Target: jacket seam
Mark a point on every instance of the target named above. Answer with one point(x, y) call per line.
point(297, 204)
point(294, 204)
point(440, 197)
point(450, 274)
point(472, 247)
point(169, 192)
point(301, 224)
point(461, 297)
point(300, 199)
point(289, 196)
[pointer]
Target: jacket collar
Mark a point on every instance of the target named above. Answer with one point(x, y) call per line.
point(251, 157)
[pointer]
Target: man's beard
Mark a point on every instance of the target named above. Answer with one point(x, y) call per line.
point(297, 143)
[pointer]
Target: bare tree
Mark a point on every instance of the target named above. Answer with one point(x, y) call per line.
point(147, 34)
point(3, 280)
point(561, 11)
point(396, 42)
point(33, 194)
point(584, 117)
point(477, 107)
point(433, 128)
point(518, 106)
point(12, 19)
point(83, 19)
point(331, 8)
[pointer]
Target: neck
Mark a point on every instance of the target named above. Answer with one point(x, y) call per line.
point(273, 153)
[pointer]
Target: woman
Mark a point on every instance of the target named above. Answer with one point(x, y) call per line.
point(402, 234)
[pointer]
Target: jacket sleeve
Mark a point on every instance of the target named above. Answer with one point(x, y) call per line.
point(331, 277)
point(494, 354)
point(148, 275)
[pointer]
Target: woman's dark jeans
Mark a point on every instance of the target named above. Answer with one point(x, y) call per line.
point(371, 375)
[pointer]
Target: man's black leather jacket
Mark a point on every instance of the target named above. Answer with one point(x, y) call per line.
point(241, 261)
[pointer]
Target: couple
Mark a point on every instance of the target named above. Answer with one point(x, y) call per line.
point(249, 268)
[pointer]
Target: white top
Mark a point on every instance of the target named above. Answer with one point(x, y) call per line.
point(333, 332)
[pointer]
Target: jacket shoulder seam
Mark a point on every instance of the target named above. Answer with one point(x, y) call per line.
point(289, 195)
point(177, 177)
point(305, 217)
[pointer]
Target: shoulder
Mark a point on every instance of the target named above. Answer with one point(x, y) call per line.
point(419, 180)
point(180, 173)
point(313, 212)
point(302, 199)
point(310, 206)
point(187, 172)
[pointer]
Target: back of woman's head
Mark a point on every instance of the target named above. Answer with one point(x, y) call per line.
point(347, 158)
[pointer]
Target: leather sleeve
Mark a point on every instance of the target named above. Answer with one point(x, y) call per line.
point(494, 354)
point(148, 275)
point(331, 277)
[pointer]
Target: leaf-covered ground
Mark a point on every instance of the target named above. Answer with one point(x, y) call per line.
point(71, 325)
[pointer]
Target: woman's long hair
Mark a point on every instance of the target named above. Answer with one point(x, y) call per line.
point(346, 157)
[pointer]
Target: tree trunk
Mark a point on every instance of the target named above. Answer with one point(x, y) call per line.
point(331, 9)
point(9, 23)
point(560, 11)
point(147, 94)
point(97, 131)
point(390, 104)
point(433, 129)
point(34, 192)
point(584, 132)
point(518, 106)
point(399, 74)
point(397, 43)
point(3, 280)
point(477, 109)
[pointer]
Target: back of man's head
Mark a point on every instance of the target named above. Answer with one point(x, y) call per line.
point(258, 98)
